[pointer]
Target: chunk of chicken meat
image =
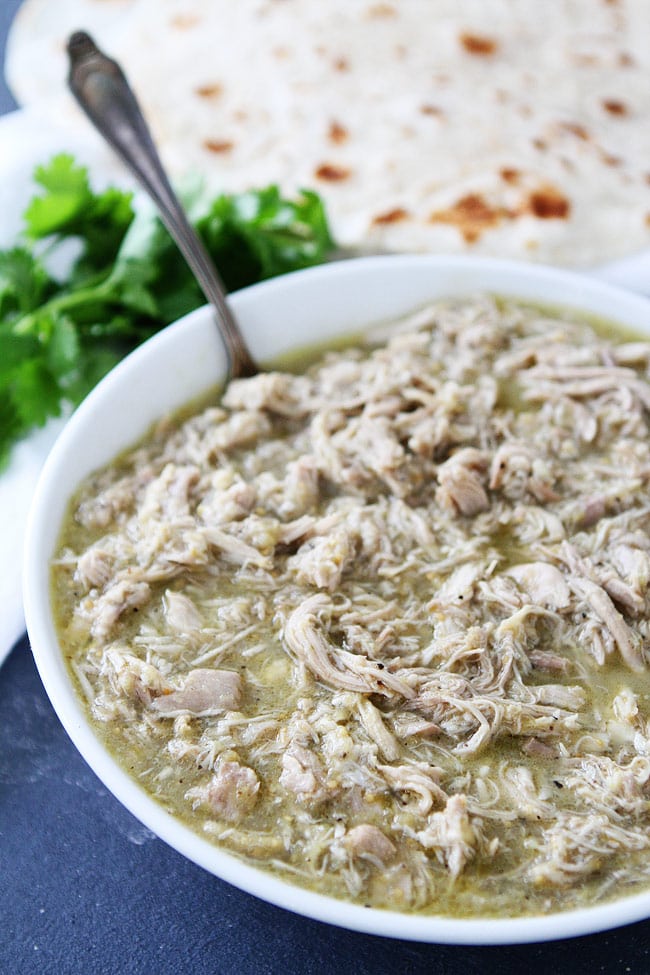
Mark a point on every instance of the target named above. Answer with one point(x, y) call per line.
point(461, 483)
point(203, 692)
point(231, 793)
point(368, 842)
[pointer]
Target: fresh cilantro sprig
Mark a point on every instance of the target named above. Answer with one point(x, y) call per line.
point(124, 279)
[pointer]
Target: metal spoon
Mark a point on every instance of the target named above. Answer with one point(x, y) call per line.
point(100, 86)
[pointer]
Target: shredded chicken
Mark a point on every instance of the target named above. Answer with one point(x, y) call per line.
point(304, 636)
point(383, 626)
point(577, 846)
point(451, 835)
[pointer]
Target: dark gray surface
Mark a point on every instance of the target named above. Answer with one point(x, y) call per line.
point(7, 10)
point(86, 890)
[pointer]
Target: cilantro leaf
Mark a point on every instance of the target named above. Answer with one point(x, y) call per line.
point(62, 351)
point(24, 282)
point(14, 350)
point(67, 195)
point(35, 393)
point(69, 208)
point(124, 280)
point(258, 234)
point(10, 427)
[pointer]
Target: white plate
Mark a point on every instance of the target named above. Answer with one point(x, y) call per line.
point(176, 366)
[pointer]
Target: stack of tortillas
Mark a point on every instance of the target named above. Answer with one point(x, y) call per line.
point(502, 127)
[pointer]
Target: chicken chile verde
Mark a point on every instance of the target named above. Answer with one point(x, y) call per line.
point(382, 627)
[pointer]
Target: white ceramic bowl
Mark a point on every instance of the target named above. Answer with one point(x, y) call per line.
point(187, 359)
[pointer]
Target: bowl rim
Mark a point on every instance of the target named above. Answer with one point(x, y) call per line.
point(58, 685)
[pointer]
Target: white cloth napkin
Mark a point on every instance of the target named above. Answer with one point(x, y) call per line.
point(27, 138)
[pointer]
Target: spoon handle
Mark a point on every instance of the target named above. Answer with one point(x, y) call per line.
point(100, 86)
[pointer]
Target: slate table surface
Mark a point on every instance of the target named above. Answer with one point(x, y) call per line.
point(85, 889)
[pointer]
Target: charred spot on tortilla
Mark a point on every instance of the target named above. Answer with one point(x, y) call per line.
point(576, 129)
point(615, 106)
point(395, 215)
point(185, 21)
point(337, 133)
point(478, 44)
point(610, 159)
point(472, 215)
point(381, 10)
point(212, 90)
point(219, 145)
point(548, 203)
point(331, 173)
point(509, 174)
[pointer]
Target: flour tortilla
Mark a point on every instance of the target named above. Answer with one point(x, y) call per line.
point(499, 127)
